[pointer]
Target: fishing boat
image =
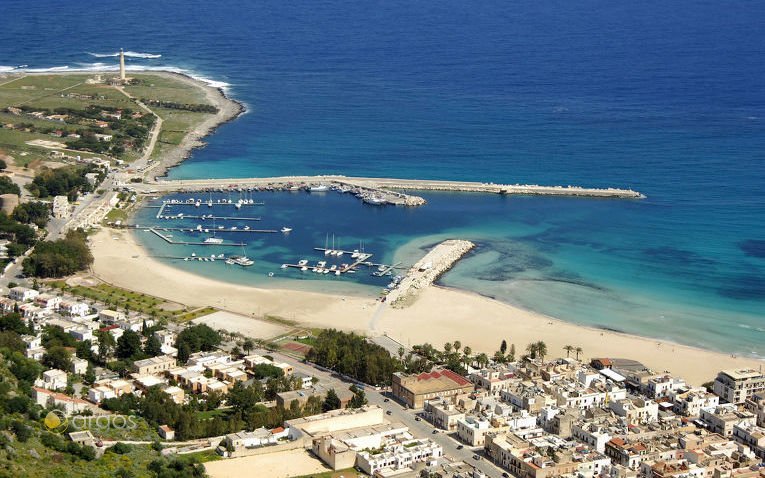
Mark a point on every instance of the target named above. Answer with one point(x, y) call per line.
point(319, 189)
point(286, 229)
point(302, 262)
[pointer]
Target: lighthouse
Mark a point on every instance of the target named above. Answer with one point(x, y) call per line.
point(122, 66)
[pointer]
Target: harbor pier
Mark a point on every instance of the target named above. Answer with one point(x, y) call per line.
point(375, 191)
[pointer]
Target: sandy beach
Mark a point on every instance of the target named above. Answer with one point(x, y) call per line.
point(437, 316)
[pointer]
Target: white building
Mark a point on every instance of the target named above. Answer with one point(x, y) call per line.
point(22, 294)
point(79, 366)
point(663, 386)
point(74, 309)
point(636, 410)
point(47, 301)
point(736, 386)
point(53, 379)
point(402, 456)
point(472, 431)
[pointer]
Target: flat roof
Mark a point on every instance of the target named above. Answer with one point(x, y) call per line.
point(609, 373)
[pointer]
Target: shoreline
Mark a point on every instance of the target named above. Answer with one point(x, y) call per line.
point(438, 315)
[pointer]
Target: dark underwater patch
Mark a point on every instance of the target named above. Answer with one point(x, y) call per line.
point(746, 287)
point(753, 248)
point(673, 254)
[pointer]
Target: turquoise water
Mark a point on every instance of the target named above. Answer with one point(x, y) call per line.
point(663, 97)
point(588, 260)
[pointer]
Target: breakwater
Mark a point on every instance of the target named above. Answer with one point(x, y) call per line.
point(421, 275)
point(377, 191)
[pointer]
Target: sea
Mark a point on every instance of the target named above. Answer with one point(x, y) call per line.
point(666, 98)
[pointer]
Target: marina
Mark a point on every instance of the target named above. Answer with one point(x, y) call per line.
point(210, 203)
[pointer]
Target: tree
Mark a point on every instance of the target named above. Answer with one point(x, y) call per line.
point(467, 352)
point(447, 348)
point(511, 355)
point(196, 338)
point(248, 345)
point(359, 398)
point(90, 375)
point(482, 359)
point(331, 401)
point(578, 351)
point(8, 187)
point(128, 345)
point(58, 357)
point(59, 258)
point(457, 346)
point(503, 347)
point(568, 349)
point(152, 347)
point(3, 164)
point(106, 344)
point(401, 353)
point(541, 350)
point(32, 213)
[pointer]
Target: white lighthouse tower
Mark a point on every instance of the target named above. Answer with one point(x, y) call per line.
point(122, 66)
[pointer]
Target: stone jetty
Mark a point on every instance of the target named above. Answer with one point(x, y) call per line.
point(437, 261)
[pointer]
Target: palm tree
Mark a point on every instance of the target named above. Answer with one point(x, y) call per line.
point(531, 349)
point(482, 359)
point(578, 350)
point(248, 345)
point(457, 346)
point(401, 353)
point(467, 351)
point(447, 348)
point(568, 349)
point(541, 350)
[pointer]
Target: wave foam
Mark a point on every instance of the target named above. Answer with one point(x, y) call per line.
point(130, 54)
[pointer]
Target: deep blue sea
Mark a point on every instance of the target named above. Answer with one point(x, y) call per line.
point(663, 97)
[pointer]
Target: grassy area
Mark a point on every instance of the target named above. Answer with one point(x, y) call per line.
point(73, 91)
point(155, 87)
point(204, 456)
point(24, 462)
point(119, 298)
point(142, 431)
point(117, 214)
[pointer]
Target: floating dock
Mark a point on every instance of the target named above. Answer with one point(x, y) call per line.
point(208, 230)
point(170, 241)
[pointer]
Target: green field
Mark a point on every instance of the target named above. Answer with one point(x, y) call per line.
point(58, 90)
point(121, 299)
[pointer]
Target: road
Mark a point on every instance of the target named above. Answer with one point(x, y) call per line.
point(399, 413)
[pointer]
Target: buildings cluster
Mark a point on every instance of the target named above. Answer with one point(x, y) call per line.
point(609, 418)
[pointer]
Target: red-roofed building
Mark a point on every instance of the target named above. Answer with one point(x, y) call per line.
point(414, 390)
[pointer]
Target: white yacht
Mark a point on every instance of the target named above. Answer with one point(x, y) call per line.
point(213, 240)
